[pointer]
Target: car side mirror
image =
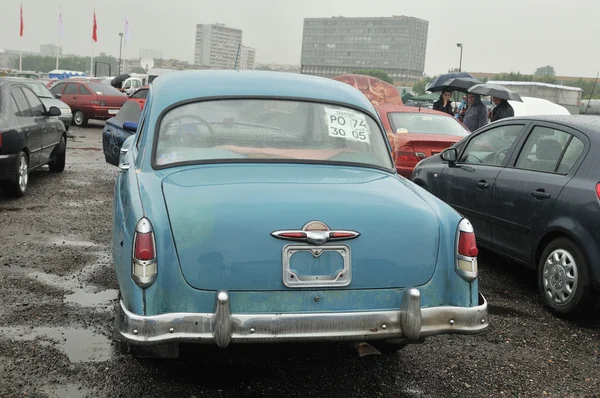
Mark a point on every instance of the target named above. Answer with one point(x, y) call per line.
point(57, 95)
point(130, 126)
point(54, 111)
point(450, 155)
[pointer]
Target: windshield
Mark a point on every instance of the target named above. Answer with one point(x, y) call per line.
point(424, 123)
point(258, 129)
point(40, 90)
point(104, 89)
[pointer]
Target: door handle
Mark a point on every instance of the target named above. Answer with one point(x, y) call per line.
point(482, 184)
point(540, 194)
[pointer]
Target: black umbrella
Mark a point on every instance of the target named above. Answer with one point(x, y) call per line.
point(495, 90)
point(456, 81)
point(119, 79)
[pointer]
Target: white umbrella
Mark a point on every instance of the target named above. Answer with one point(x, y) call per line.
point(532, 106)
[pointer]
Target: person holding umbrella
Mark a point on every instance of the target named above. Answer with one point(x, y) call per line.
point(476, 115)
point(444, 104)
point(500, 96)
point(502, 109)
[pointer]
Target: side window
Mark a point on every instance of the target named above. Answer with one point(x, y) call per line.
point(22, 105)
point(71, 89)
point(84, 91)
point(36, 105)
point(57, 88)
point(572, 154)
point(140, 94)
point(542, 150)
point(490, 147)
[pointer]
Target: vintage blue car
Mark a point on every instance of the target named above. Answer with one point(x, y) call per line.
point(260, 207)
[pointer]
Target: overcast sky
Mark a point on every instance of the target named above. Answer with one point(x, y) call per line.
point(498, 36)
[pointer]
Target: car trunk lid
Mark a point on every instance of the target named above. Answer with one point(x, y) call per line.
point(222, 219)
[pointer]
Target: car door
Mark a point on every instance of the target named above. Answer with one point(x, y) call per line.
point(525, 191)
point(33, 134)
point(50, 132)
point(70, 95)
point(467, 186)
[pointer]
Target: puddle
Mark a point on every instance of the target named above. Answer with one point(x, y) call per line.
point(84, 203)
point(62, 241)
point(80, 345)
point(87, 299)
point(66, 391)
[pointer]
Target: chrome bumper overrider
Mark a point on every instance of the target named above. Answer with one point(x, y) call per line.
point(409, 324)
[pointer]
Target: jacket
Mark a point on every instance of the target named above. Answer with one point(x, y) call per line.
point(477, 115)
point(502, 110)
point(439, 106)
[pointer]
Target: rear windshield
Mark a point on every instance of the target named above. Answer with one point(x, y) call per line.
point(259, 129)
point(103, 89)
point(423, 123)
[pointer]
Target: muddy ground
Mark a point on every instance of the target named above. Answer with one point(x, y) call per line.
point(58, 297)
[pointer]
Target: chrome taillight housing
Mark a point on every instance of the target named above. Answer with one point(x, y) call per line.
point(144, 267)
point(466, 251)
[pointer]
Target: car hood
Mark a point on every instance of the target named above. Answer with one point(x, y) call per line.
point(222, 217)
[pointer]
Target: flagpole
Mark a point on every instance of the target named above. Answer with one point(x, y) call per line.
point(125, 41)
point(58, 46)
point(21, 34)
point(92, 64)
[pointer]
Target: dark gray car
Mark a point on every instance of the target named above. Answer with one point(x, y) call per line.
point(49, 99)
point(531, 188)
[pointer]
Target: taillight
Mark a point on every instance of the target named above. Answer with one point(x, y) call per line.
point(597, 185)
point(144, 265)
point(407, 156)
point(466, 251)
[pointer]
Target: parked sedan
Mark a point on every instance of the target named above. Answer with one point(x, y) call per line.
point(49, 99)
point(140, 95)
point(89, 100)
point(417, 133)
point(256, 207)
point(30, 137)
point(530, 186)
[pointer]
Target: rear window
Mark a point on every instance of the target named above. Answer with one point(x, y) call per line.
point(423, 123)
point(140, 94)
point(103, 89)
point(260, 129)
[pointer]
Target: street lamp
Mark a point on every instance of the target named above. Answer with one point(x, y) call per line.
point(120, 49)
point(460, 64)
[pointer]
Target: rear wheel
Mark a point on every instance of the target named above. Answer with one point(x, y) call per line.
point(563, 278)
point(60, 155)
point(18, 186)
point(79, 119)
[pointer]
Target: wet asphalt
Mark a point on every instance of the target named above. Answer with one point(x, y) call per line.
point(58, 299)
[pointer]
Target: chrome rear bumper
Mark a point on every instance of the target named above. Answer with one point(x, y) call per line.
point(409, 324)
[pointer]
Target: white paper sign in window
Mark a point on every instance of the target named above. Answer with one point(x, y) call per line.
point(349, 125)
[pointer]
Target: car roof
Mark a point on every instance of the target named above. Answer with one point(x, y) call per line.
point(188, 85)
point(409, 109)
point(581, 122)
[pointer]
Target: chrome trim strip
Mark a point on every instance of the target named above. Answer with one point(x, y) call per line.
point(410, 324)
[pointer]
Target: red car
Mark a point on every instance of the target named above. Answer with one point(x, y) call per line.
point(416, 133)
point(89, 100)
point(140, 95)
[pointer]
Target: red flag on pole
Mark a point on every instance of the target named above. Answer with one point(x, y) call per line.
point(94, 33)
point(21, 29)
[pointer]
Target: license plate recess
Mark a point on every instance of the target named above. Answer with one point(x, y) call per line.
point(316, 266)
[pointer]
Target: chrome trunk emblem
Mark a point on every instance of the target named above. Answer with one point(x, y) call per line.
point(316, 233)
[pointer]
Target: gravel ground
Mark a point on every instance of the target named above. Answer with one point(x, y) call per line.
point(58, 297)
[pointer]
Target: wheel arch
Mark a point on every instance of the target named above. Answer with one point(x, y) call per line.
point(549, 236)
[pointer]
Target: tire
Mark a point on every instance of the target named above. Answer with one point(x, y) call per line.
point(387, 348)
point(564, 278)
point(60, 156)
point(18, 186)
point(79, 119)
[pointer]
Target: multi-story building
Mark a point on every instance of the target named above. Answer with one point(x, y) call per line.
point(339, 45)
point(247, 58)
point(49, 50)
point(217, 46)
